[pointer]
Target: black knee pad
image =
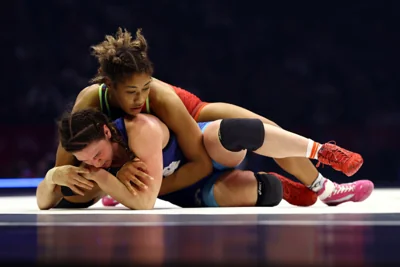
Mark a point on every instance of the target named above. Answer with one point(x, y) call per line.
point(269, 190)
point(239, 134)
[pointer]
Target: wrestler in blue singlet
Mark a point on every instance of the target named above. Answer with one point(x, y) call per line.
point(200, 194)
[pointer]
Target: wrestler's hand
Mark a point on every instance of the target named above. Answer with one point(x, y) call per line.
point(133, 175)
point(72, 177)
point(95, 174)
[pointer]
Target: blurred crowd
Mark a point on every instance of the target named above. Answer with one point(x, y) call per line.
point(327, 72)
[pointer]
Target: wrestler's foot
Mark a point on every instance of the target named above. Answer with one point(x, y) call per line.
point(333, 194)
point(108, 201)
point(340, 159)
point(296, 193)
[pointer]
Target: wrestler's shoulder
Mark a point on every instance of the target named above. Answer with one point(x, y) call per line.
point(144, 123)
point(160, 88)
point(142, 120)
point(88, 97)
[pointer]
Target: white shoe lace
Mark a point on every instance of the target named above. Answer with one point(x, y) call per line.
point(344, 188)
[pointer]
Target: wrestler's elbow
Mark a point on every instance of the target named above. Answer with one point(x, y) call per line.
point(45, 203)
point(145, 203)
point(150, 200)
point(43, 206)
point(147, 206)
point(45, 197)
point(145, 199)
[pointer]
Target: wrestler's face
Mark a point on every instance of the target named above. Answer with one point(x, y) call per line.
point(131, 93)
point(98, 153)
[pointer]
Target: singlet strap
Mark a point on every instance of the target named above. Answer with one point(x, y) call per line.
point(101, 98)
point(148, 105)
point(103, 92)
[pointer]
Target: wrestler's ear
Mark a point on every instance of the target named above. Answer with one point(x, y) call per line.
point(107, 132)
point(108, 83)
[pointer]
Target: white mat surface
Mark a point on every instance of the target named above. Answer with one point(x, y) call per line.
point(381, 201)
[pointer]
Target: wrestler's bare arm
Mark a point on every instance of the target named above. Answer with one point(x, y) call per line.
point(146, 138)
point(167, 106)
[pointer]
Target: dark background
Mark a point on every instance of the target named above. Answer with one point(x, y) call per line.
point(328, 70)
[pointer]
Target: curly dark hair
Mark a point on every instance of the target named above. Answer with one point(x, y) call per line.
point(120, 57)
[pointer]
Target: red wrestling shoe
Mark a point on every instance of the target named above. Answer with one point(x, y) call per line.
point(296, 193)
point(340, 159)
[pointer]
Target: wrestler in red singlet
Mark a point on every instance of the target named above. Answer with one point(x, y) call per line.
point(192, 103)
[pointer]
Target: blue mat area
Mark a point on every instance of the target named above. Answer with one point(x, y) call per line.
point(20, 182)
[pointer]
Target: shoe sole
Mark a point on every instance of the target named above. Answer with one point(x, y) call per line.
point(356, 163)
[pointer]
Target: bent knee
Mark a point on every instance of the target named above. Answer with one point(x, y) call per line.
point(236, 188)
point(245, 188)
point(217, 152)
point(269, 190)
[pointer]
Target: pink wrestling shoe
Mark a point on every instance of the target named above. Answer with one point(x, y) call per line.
point(333, 194)
point(109, 201)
